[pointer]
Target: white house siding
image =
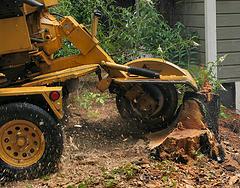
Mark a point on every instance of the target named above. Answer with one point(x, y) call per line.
point(237, 86)
point(191, 14)
point(228, 36)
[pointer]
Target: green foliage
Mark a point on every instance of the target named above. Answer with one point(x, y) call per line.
point(208, 73)
point(82, 185)
point(165, 179)
point(67, 50)
point(93, 114)
point(64, 8)
point(167, 168)
point(168, 172)
point(128, 170)
point(87, 99)
point(109, 183)
point(70, 186)
point(223, 114)
point(89, 182)
point(46, 178)
point(109, 179)
point(198, 154)
point(127, 33)
point(29, 186)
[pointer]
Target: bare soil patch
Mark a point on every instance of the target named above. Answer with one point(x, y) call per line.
point(104, 150)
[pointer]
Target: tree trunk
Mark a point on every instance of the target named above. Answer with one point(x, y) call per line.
point(194, 131)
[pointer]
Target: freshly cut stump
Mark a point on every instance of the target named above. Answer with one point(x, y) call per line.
point(194, 131)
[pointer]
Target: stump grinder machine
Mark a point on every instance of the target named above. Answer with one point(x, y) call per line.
point(32, 83)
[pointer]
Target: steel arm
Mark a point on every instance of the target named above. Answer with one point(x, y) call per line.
point(78, 35)
point(169, 72)
point(157, 70)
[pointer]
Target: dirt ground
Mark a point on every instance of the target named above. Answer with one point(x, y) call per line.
point(103, 150)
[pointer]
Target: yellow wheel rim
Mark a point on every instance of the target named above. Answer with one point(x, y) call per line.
point(22, 143)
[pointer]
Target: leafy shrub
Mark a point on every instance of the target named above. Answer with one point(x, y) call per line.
point(67, 50)
point(88, 99)
point(208, 73)
point(127, 33)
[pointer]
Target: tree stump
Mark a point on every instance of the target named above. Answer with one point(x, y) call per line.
point(194, 131)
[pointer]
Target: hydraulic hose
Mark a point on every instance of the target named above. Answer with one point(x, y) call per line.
point(143, 72)
point(34, 3)
point(132, 70)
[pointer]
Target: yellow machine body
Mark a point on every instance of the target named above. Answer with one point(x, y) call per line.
point(92, 54)
point(56, 106)
point(30, 100)
point(35, 36)
point(14, 35)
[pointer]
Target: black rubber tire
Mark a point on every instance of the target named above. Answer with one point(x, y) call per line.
point(53, 141)
point(160, 120)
